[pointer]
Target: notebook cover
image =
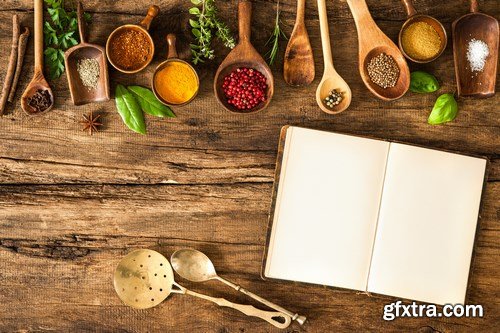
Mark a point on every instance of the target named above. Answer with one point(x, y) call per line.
point(277, 173)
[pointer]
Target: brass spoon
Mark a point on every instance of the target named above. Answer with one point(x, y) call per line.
point(298, 67)
point(195, 266)
point(144, 279)
point(331, 79)
point(38, 82)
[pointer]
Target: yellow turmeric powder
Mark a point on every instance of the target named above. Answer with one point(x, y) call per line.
point(176, 82)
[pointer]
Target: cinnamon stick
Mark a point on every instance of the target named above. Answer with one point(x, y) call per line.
point(21, 50)
point(12, 64)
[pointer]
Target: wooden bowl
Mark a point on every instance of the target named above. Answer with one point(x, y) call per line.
point(144, 26)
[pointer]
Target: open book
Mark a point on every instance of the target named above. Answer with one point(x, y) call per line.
point(373, 216)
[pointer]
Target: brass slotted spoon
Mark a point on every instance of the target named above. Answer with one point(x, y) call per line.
point(144, 278)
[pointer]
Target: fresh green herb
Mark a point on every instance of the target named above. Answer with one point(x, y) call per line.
point(130, 110)
point(60, 33)
point(445, 109)
point(422, 82)
point(149, 103)
point(275, 37)
point(206, 25)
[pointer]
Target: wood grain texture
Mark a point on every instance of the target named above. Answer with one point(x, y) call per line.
point(72, 205)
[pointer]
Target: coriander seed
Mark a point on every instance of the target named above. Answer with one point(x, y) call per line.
point(383, 71)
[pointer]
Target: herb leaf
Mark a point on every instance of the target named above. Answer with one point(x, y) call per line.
point(130, 110)
point(445, 109)
point(275, 37)
point(149, 103)
point(205, 27)
point(422, 82)
point(60, 33)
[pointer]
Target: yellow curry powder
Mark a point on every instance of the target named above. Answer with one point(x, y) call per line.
point(176, 82)
point(421, 41)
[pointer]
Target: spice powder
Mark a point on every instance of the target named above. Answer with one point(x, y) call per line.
point(176, 82)
point(421, 41)
point(130, 49)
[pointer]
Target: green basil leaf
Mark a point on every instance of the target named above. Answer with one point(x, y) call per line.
point(445, 109)
point(422, 82)
point(129, 110)
point(196, 2)
point(149, 103)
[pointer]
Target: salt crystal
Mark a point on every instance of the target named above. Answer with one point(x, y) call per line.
point(477, 52)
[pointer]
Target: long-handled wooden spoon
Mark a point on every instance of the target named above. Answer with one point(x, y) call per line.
point(372, 41)
point(331, 79)
point(479, 26)
point(298, 68)
point(38, 85)
point(243, 55)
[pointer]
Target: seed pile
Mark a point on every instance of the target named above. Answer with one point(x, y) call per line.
point(130, 49)
point(383, 71)
point(89, 72)
point(40, 101)
point(245, 88)
point(421, 41)
point(477, 52)
point(334, 98)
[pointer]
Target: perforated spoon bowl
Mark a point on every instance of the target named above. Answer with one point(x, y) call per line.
point(144, 279)
point(195, 266)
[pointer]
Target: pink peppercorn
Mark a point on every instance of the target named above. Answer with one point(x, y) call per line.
point(245, 88)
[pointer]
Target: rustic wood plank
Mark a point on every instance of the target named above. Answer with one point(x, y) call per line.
point(66, 268)
point(206, 144)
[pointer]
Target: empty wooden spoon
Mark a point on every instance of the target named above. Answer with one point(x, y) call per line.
point(38, 97)
point(331, 79)
point(482, 27)
point(81, 94)
point(243, 55)
point(372, 42)
point(298, 68)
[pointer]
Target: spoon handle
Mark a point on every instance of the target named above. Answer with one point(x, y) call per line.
point(276, 319)
point(38, 35)
point(295, 316)
point(325, 35)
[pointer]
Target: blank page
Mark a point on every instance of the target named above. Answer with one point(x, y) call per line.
point(427, 224)
point(326, 208)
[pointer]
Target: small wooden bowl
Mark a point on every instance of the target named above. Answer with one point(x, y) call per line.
point(144, 26)
point(413, 17)
point(172, 57)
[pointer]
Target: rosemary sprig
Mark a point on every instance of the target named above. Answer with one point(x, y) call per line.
point(206, 25)
point(275, 37)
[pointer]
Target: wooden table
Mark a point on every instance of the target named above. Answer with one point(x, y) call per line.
point(71, 205)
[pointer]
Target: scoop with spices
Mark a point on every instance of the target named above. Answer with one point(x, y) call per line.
point(421, 41)
point(130, 49)
point(383, 71)
point(89, 72)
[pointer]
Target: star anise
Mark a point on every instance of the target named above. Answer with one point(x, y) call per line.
point(90, 123)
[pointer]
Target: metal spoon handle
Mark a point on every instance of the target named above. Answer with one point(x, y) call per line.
point(295, 316)
point(276, 319)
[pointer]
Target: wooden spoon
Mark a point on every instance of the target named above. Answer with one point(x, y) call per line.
point(372, 41)
point(81, 94)
point(298, 69)
point(243, 55)
point(481, 27)
point(331, 79)
point(413, 17)
point(38, 83)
